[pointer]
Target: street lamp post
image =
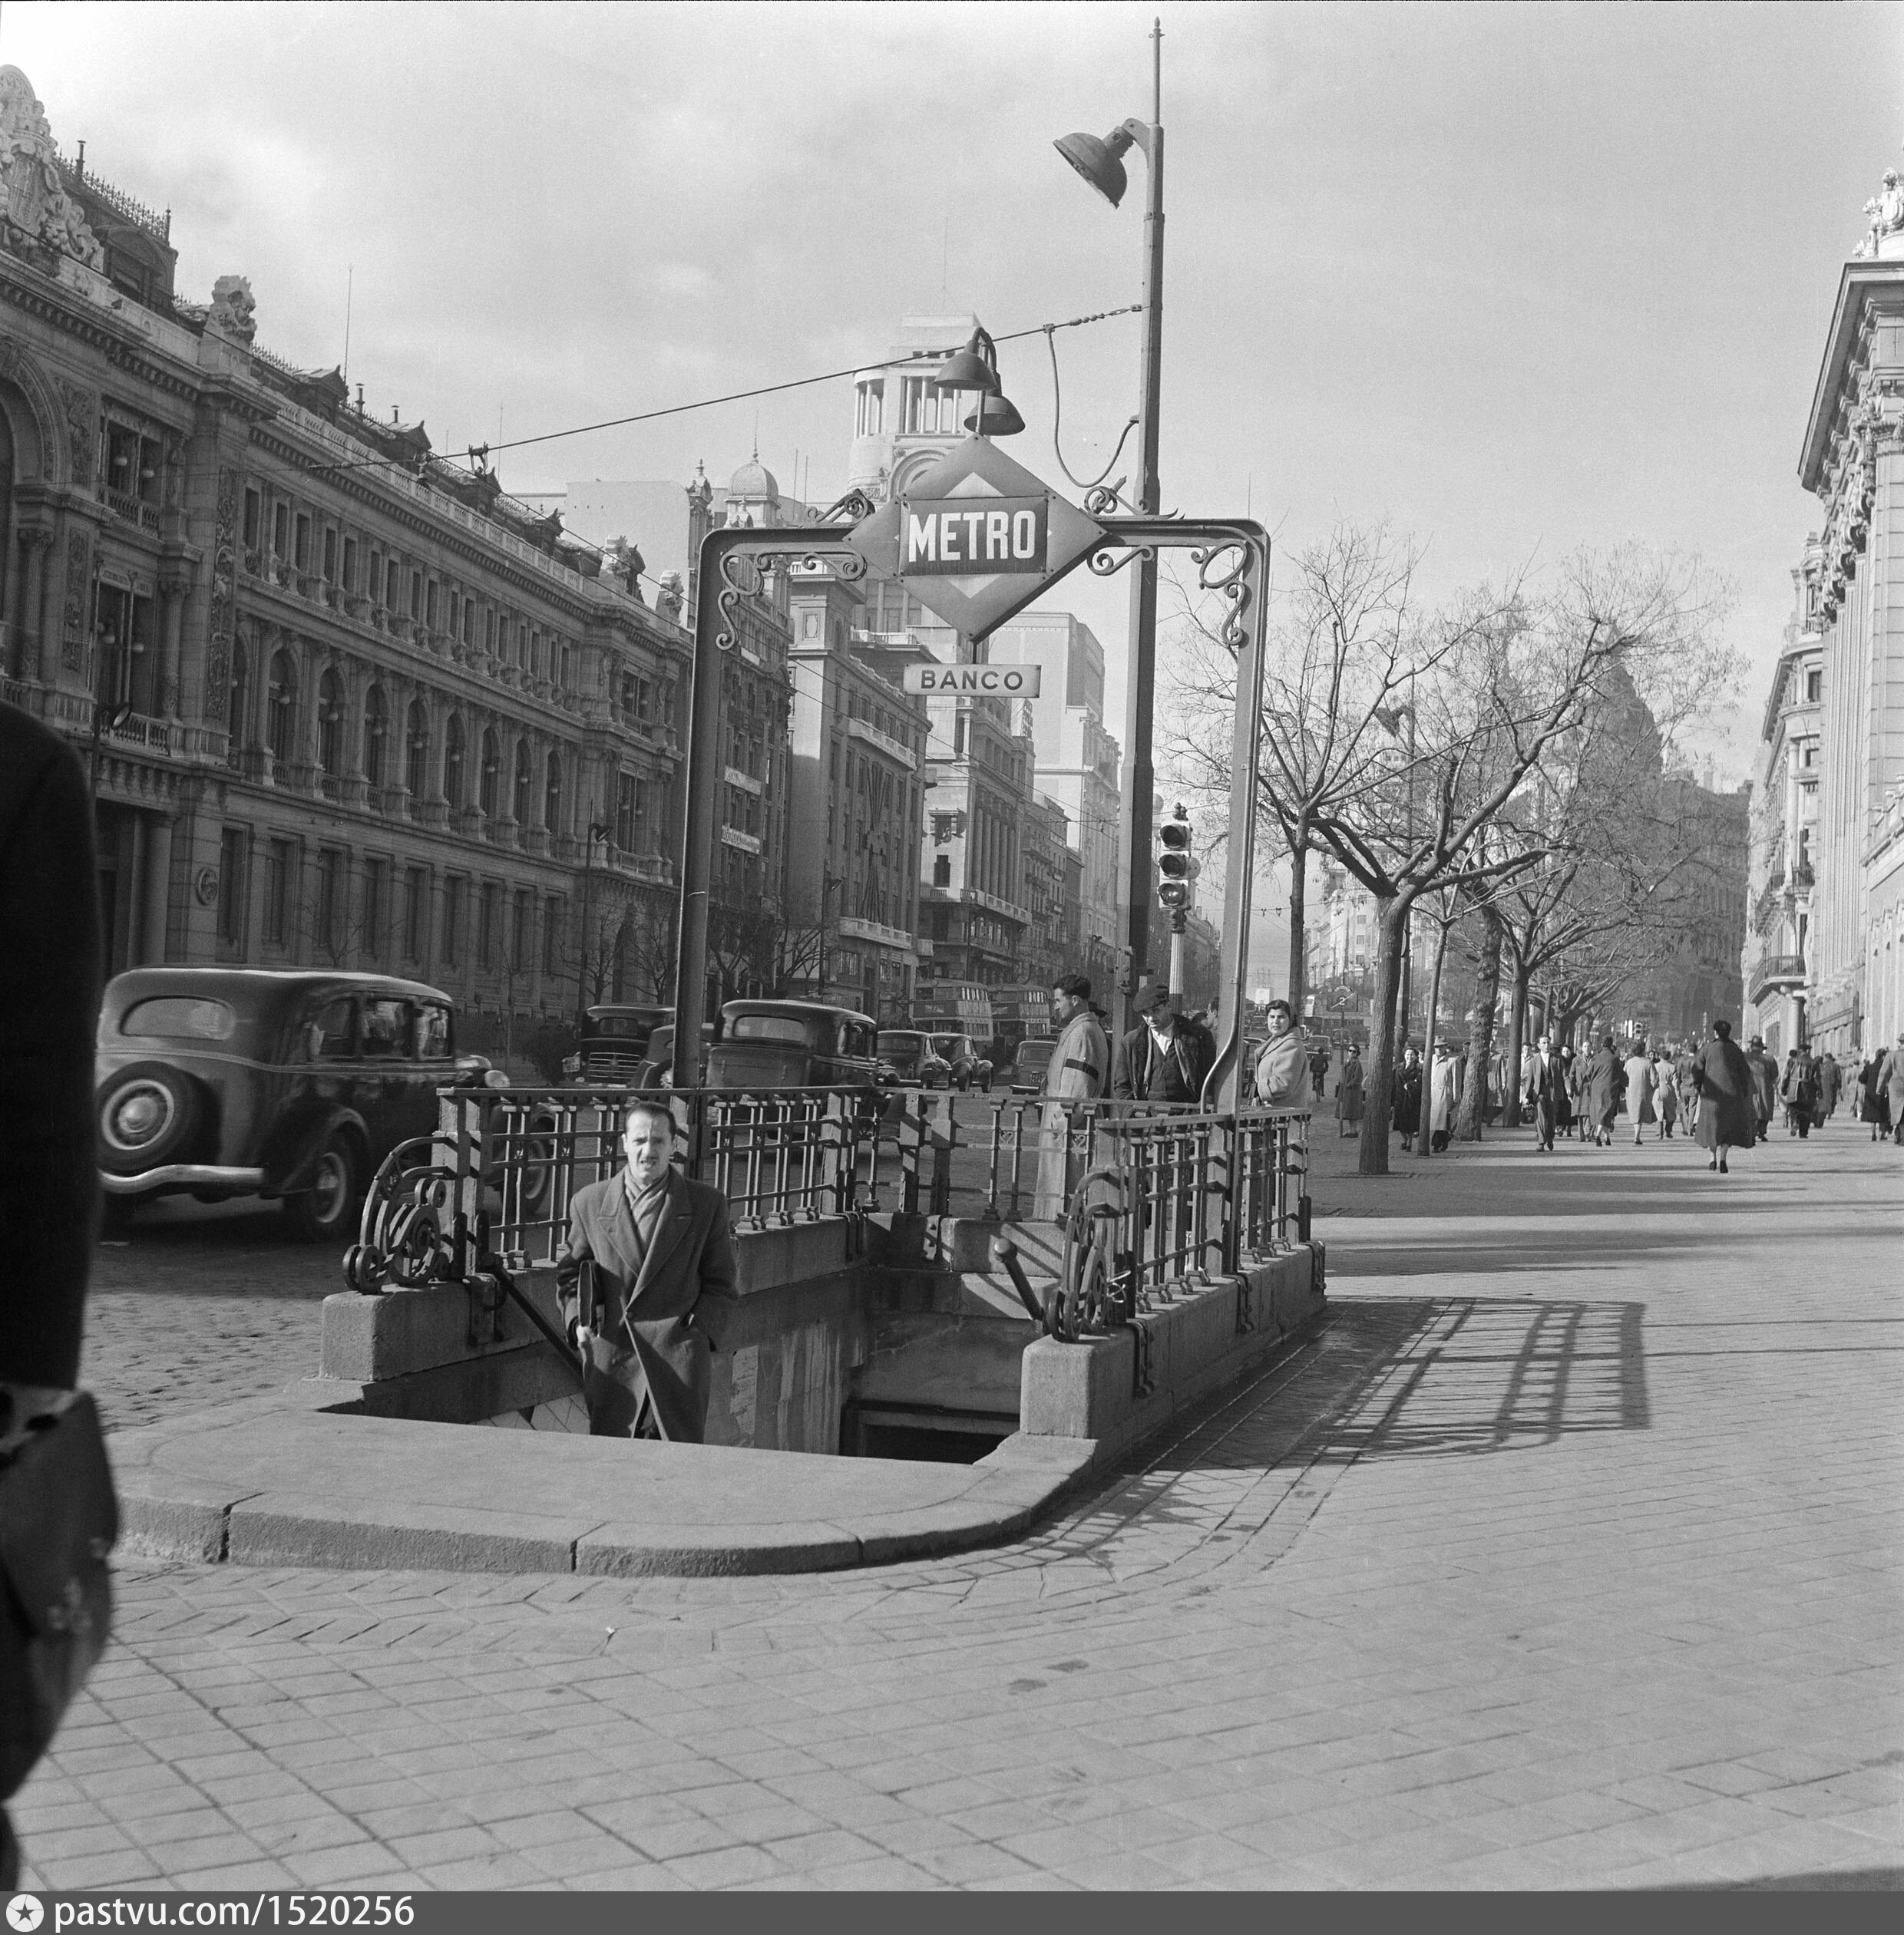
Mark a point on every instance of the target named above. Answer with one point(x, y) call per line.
point(597, 830)
point(1099, 160)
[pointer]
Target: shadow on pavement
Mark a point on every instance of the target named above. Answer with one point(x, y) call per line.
point(1368, 1254)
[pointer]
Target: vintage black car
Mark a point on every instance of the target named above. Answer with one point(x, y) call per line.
point(959, 1053)
point(252, 1081)
point(1030, 1065)
point(793, 1044)
point(614, 1046)
point(908, 1060)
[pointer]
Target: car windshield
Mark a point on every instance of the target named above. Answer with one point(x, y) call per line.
point(180, 1016)
point(768, 1027)
point(1031, 1053)
point(948, 1047)
point(619, 1027)
point(902, 1048)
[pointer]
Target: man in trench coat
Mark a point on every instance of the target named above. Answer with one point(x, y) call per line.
point(663, 1284)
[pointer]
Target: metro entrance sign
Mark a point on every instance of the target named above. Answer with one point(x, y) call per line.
point(975, 537)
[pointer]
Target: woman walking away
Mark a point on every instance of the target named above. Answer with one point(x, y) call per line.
point(1570, 1095)
point(1641, 1082)
point(1728, 1103)
point(1348, 1096)
point(1877, 1107)
point(1600, 1092)
point(1827, 1087)
point(1668, 1095)
point(1407, 1109)
point(1799, 1090)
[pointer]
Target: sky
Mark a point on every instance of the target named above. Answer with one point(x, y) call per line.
point(1513, 279)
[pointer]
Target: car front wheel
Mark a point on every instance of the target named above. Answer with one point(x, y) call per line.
point(322, 1213)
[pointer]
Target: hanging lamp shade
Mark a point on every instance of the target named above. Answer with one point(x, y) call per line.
point(1096, 159)
point(967, 369)
point(997, 416)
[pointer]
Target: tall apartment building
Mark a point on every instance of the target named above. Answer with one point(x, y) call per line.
point(343, 703)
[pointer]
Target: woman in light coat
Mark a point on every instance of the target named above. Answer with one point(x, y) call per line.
point(1642, 1083)
point(1444, 1091)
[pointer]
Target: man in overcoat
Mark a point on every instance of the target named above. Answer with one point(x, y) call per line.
point(1764, 1085)
point(1600, 1090)
point(1164, 1058)
point(1547, 1089)
point(662, 1292)
point(1078, 1071)
point(1728, 1099)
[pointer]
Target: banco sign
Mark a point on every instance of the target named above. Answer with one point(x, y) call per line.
point(976, 536)
point(995, 682)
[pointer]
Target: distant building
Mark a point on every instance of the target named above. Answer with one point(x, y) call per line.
point(346, 704)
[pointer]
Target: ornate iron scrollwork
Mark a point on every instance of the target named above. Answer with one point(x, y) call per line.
point(1225, 570)
point(404, 1237)
point(740, 572)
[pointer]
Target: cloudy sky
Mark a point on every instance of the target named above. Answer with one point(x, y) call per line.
point(1515, 279)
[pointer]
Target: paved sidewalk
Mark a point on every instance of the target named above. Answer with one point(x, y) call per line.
point(1567, 1554)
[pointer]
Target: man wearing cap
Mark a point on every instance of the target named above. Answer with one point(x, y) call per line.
point(1164, 1058)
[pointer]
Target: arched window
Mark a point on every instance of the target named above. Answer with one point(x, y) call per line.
point(525, 778)
point(330, 724)
point(376, 731)
point(492, 765)
point(416, 747)
point(453, 761)
point(237, 723)
point(552, 795)
point(281, 701)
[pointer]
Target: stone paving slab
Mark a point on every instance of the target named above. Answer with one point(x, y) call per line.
point(1567, 1554)
point(256, 1483)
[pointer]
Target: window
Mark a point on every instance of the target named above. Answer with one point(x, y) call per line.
point(469, 622)
point(489, 631)
point(392, 582)
point(492, 762)
point(330, 557)
point(452, 920)
point(279, 859)
point(521, 921)
point(234, 847)
point(328, 1033)
point(487, 907)
point(350, 564)
point(254, 520)
point(524, 780)
point(415, 909)
point(376, 906)
point(416, 745)
point(330, 724)
point(552, 795)
point(181, 1018)
point(416, 594)
point(376, 731)
point(430, 608)
point(453, 761)
point(432, 1031)
point(627, 812)
point(302, 553)
point(235, 719)
point(381, 1029)
point(942, 870)
point(1814, 685)
point(551, 933)
point(281, 718)
point(280, 530)
point(330, 899)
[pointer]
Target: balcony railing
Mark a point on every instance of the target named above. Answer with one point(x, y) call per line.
point(1776, 971)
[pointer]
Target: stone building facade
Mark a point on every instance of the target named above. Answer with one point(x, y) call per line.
point(1852, 461)
point(345, 703)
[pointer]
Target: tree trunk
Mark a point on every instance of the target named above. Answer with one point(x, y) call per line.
point(1298, 905)
point(1516, 1049)
point(1391, 921)
point(1472, 1116)
point(1431, 1034)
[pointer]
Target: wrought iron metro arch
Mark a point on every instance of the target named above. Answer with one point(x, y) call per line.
point(1231, 555)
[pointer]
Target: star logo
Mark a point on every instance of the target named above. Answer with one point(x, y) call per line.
point(24, 1914)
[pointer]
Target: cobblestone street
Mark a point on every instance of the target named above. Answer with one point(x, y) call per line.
point(1567, 1553)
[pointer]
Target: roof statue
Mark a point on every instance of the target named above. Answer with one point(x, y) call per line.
point(623, 563)
point(1886, 212)
point(233, 309)
point(34, 203)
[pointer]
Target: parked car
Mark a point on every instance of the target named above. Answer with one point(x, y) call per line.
point(960, 1052)
point(615, 1043)
point(908, 1059)
point(1029, 1064)
point(293, 1085)
point(793, 1044)
point(657, 1069)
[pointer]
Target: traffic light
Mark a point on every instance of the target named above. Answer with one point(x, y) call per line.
point(1176, 869)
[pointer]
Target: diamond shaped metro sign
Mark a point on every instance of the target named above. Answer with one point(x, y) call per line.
point(976, 538)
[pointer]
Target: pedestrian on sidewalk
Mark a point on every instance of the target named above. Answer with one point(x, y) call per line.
point(1282, 1069)
point(1728, 1099)
point(1078, 1072)
point(1407, 1109)
point(663, 1288)
point(1641, 1082)
point(1764, 1086)
point(1891, 1086)
point(1685, 1065)
point(1444, 1080)
point(1570, 1092)
point(50, 973)
point(1319, 1071)
point(1548, 1084)
point(1800, 1089)
point(1600, 1081)
point(1668, 1095)
point(1828, 1083)
point(1348, 1095)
